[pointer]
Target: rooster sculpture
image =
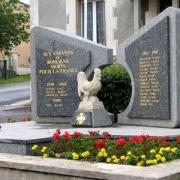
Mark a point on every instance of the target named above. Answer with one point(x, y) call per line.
point(88, 89)
point(91, 111)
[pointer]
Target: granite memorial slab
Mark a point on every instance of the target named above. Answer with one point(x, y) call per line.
point(151, 57)
point(57, 57)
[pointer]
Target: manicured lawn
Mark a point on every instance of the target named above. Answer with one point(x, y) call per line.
point(17, 79)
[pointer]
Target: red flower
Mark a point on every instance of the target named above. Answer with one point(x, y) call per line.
point(66, 135)
point(99, 144)
point(136, 139)
point(0, 126)
point(55, 136)
point(164, 140)
point(178, 139)
point(76, 134)
point(58, 130)
point(121, 142)
point(106, 135)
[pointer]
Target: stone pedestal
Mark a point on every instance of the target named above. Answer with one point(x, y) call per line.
point(91, 114)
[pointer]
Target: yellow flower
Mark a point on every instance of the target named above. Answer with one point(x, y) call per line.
point(161, 150)
point(155, 161)
point(123, 157)
point(117, 161)
point(140, 163)
point(34, 147)
point(158, 157)
point(163, 159)
point(152, 151)
point(143, 156)
point(103, 150)
point(174, 149)
point(44, 149)
point(108, 160)
point(129, 153)
point(45, 155)
point(100, 154)
point(167, 149)
point(151, 161)
point(75, 156)
point(85, 154)
point(127, 157)
point(105, 154)
point(114, 157)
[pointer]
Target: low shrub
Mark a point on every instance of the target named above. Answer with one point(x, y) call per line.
point(116, 88)
point(142, 150)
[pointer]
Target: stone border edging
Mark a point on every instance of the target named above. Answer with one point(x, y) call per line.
point(170, 170)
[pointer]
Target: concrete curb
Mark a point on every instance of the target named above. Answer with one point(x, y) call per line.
point(87, 170)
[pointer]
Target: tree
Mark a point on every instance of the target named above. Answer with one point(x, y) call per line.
point(14, 21)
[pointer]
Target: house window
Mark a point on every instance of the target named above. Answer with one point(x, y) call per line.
point(95, 21)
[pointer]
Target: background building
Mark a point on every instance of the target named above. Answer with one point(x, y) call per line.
point(108, 22)
point(18, 62)
point(21, 53)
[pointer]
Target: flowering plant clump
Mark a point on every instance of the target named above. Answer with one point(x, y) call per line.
point(142, 150)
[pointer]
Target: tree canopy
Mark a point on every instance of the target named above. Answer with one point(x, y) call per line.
point(14, 20)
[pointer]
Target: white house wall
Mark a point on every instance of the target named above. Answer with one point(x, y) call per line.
point(125, 20)
point(71, 16)
point(34, 13)
point(51, 13)
point(111, 23)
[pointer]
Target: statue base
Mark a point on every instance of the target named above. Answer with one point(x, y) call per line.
point(93, 118)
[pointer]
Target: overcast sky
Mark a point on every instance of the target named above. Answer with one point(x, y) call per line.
point(25, 1)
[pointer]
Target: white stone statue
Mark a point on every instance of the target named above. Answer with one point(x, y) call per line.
point(88, 90)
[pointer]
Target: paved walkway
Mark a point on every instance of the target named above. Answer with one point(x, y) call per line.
point(15, 102)
point(12, 93)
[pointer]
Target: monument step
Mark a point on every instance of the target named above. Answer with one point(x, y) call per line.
point(18, 138)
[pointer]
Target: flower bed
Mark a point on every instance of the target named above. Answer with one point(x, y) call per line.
point(140, 150)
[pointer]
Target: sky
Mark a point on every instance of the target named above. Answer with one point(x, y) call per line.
point(25, 1)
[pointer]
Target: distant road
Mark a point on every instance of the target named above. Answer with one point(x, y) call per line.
point(12, 93)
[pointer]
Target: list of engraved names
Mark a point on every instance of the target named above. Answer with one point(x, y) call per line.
point(57, 62)
point(149, 85)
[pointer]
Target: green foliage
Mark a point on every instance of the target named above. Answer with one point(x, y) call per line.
point(116, 88)
point(16, 79)
point(13, 25)
point(139, 150)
